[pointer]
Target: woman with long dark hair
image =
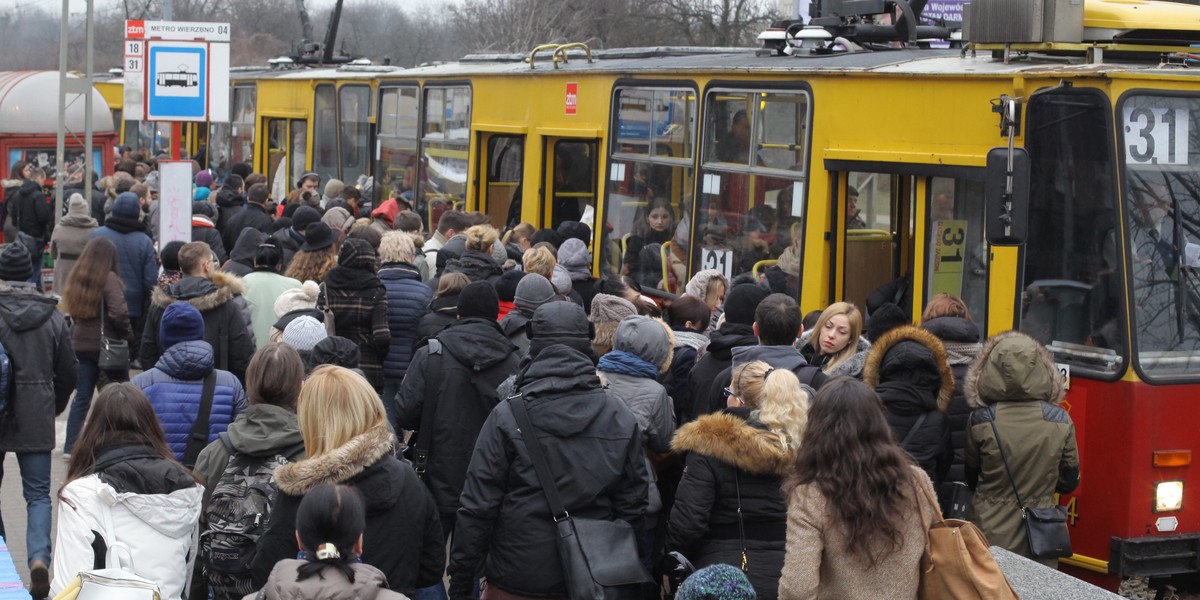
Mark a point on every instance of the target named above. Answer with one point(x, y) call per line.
point(857, 505)
point(329, 527)
point(124, 486)
point(94, 280)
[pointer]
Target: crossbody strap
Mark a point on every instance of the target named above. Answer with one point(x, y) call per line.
point(540, 466)
point(103, 317)
point(1000, 446)
point(433, 376)
point(737, 486)
point(198, 438)
point(911, 432)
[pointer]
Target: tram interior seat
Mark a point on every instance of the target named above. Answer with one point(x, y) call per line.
point(868, 263)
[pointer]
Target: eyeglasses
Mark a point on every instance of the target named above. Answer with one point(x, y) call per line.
point(728, 392)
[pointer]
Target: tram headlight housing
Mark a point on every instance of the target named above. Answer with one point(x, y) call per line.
point(1168, 496)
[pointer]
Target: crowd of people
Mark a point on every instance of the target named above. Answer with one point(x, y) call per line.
point(326, 403)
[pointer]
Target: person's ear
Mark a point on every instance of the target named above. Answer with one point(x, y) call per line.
point(358, 545)
point(755, 327)
point(801, 332)
point(298, 544)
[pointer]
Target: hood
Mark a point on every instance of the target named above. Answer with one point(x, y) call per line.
point(84, 221)
point(331, 584)
point(780, 357)
point(30, 186)
point(647, 338)
point(247, 246)
point(337, 466)
point(23, 307)
point(174, 515)
point(446, 305)
point(573, 254)
point(729, 336)
point(475, 265)
point(733, 441)
point(188, 361)
point(228, 197)
point(479, 344)
point(563, 391)
point(1013, 366)
point(911, 355)
point(698, 285)
point(204, 294)
point(960, 336)
point(262, 429)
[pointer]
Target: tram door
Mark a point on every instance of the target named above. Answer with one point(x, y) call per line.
point(283, 149)
point(570, 180)
point(878, 228)
point(502, 168)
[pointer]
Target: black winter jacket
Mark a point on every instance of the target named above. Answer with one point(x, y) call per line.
point(504, 527)
point(476, 358)
point(241, 256)
point(407, 301)
point(38, 342)
point(961, 338)
point(403, 537)
point(226, 320)
point(33, 211)
point(286, 240)
point(718, 358)
point(252, 215)
point(477, 266)
point(443, 312)
point(908, 369)
point(229, 203)
point(780, 357)
point(203, 231)
point(731, 457)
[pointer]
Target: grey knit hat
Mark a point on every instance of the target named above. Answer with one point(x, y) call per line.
point(303, 333)
point(533, 291)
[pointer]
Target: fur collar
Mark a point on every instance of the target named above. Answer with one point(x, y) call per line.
point(910, 333)
point(344, 462)
point(733, 441)
point(971, 384)
point(228, 286)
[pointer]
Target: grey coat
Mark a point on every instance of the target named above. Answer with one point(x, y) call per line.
point(369, 584)
point(38, 342)
point(66, 244)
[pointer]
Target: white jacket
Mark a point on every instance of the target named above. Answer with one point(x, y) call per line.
point(160, 530)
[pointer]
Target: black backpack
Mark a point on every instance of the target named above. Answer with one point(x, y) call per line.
point(239, 511)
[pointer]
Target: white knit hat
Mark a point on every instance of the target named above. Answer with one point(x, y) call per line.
point(304, 296)
point(303, 333)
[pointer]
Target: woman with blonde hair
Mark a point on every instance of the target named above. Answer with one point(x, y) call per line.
point(348, 441)
point(482, 255)
point(728, 508)
point(835, 343)
point(539, 260)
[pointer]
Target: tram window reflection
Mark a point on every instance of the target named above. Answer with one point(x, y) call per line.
point(444, 149)
point(353, 113)
point(399, 115)
point(325, 132)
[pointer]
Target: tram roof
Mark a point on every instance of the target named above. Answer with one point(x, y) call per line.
point(29, 105)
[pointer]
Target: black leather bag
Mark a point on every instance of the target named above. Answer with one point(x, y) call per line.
point(114, 354)
point(1045, 528)
point(599, 557)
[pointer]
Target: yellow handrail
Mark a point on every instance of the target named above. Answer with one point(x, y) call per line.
point(560, 53)
point(533, 53)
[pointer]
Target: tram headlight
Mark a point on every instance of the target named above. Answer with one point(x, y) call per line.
point(1168, 496)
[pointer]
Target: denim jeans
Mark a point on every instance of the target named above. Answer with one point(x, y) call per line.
point(85, 386)
point(35, 486)
point(391, 387)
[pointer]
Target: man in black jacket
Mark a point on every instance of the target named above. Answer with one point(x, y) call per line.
point(737, 331)
point(33, 213)
point(253, 215)
point(458, 390)
point(592, 444)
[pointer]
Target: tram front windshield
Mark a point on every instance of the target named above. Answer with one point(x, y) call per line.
point(1161, 146)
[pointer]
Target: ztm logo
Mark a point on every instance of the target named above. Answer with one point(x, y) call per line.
point(135, 29)
point(572, 98)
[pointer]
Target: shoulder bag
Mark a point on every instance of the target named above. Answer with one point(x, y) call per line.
point(1045, 528)
point(599, 557)
point(114, 354)
point(116, 582)
point(326, 312)
point(957, 563)
point(198, 437)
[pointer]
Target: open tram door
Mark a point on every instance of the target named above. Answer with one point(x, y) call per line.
point(501, 171)
point(569, 179)
point(283, 148)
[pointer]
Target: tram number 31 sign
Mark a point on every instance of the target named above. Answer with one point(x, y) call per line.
point(719, 259)
point(1156, 136)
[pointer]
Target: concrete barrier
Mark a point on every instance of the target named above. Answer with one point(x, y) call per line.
point(1035, 581)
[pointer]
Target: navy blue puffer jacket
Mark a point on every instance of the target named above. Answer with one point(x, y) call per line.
point(175, 385)
point(408, 300)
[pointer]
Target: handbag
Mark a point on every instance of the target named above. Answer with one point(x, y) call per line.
point(114, 354)
point(326, 312)
point(114, 582)
point(1045, 528)
point(956, 562)
point(599, 557)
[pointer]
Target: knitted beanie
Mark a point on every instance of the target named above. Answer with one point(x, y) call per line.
point(304, 333)
point(15, 262)
point(305, 216)
point(506, 286)
point(335, 350)
point(885, 318)
point(607, 312)
point(302, 297)
point(204, 178)
point(716, 582)
point(181, 322)
point(533, 291)
point(127, 206)
point(77, 205)
point(479, 300)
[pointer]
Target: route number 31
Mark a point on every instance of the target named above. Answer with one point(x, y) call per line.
point(1156, 136)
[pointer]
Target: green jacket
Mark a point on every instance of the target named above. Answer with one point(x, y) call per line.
point(261, 430)
point(1015, 385)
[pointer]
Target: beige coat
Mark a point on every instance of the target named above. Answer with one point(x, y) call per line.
point(66, 244)
point(369, 584)
point(1017, 375)
point(819, 565)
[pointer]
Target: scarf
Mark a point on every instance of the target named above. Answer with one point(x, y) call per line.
point(169, 278)
point(691, 339)
point(619, 361)
point(124, 224)
point(962, 353)
point(350, 279)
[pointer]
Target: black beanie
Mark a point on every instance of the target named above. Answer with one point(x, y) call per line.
point(335, 350)
point(885, 318)
point(506, 286)
point(742, 301)
point(479, 300)
point(15, 262)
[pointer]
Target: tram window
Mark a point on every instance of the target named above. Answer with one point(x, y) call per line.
point(573, 187)
point(748, 214)
point(242, 144)
point(957, 252)
point(399, 115)
point(353, 110)
point(445, 144)
point(879, 238)
point(299, 153)
point(1163, 230)
point(325, 132)
point(506, 163)
point(1071, 298)
point(649, 195)
point(217, 153)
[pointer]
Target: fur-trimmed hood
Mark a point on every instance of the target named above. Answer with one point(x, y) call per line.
point(346, 461)
point(879, 361)
point(204, 294)
point(1013, 366)
point(733, 441)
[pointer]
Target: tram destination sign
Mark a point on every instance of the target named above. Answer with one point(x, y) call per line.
point(177, 30)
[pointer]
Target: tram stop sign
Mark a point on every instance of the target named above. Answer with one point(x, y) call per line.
point(176, 71)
